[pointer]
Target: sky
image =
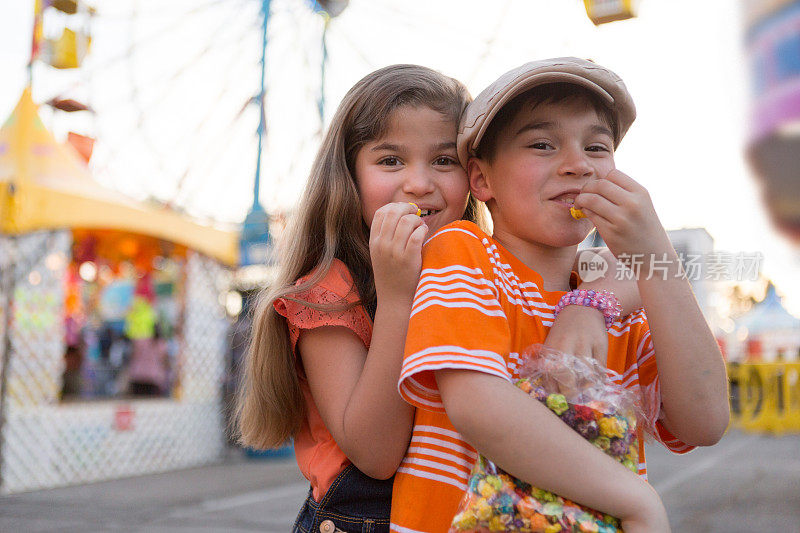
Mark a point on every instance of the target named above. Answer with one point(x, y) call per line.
point(170, 84)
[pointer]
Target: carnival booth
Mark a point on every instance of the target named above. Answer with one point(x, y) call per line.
point(765, 374)
point(112, 325)
point(769, 332)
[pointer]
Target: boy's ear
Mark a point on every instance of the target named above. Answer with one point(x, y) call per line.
point(478, 183)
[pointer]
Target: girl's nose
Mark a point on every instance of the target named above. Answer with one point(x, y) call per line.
point(418, 181)
point(575, 163)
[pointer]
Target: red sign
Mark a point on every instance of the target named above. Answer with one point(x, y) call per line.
point(123, 418)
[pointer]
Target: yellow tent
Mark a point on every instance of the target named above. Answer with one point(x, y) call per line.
point(45, 185)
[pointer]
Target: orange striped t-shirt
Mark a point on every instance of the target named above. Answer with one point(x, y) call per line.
point(477, 307)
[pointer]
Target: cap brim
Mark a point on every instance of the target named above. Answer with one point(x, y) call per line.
point(524, 83)
point(569, 70)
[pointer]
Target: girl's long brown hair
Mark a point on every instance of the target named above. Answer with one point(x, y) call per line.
point(329, 224)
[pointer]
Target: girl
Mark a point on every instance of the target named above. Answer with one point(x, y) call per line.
point(328, 335)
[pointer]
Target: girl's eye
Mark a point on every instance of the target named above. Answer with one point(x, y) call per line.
point(445, 160)
point(390, 161)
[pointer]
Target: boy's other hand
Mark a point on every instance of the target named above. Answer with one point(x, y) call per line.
point(624, 215)
point(579, 330)
point(395, 248)
point(650, 515)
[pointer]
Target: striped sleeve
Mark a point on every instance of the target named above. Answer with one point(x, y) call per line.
point(649, 386)
point(457, 321)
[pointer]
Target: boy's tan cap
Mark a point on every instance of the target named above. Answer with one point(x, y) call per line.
point(581, 72)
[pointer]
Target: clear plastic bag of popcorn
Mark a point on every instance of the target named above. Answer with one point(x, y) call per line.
point(578, 391)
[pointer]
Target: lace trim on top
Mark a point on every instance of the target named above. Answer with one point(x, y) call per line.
point(335, 291)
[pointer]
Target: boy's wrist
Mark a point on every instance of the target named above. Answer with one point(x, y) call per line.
point(603, 301)
point(585, 313)
point(655, 266)
point(657, 258)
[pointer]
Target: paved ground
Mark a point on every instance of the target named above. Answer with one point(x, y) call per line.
point(746, 483)
point(236, 496)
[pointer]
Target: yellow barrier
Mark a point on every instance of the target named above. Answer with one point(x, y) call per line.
point(765, 397)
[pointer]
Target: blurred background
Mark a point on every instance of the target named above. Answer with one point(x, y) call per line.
point(151, 153)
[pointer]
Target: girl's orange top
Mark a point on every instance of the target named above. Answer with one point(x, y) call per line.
point(318, 456)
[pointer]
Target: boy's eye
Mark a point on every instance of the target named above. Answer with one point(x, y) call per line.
point(445, 160)
point(541, 146)
point(390, 161)
point(597, 148)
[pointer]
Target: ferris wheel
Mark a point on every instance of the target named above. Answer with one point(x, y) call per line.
point(181, 97)
point(191, 108)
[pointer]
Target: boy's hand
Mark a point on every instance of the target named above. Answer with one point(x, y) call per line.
point(623, 213)
point(579, 330)
point(650, 515)
point(395, 247)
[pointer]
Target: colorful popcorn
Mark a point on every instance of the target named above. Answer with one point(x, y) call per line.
point(599, 410)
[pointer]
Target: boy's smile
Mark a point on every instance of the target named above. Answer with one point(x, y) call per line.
point(567, 198)
point(543, 159)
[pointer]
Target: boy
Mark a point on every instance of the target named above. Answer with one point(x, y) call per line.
point(536, 143)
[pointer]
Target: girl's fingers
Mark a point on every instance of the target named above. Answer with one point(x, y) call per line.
point(406, 226)
point(393, 226)
point(406, 208)
point(385, 220)
point(416, 239)
point(375, 227)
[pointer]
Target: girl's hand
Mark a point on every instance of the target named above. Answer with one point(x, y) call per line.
point(624, 215)
point(395, 247)
point(580, 330)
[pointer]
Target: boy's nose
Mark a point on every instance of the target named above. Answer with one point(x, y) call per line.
point(576, 164)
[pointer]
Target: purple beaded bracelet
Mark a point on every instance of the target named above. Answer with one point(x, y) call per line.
point(603, 301)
